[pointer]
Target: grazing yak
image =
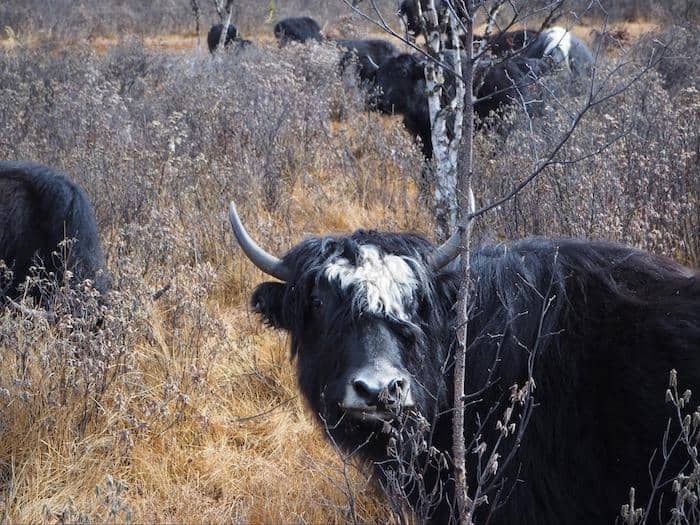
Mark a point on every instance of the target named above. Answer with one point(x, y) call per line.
point(511, 77)
point(369, 54)
point(400, 89)
point(594, 327)
point(560, 46)
point(297, 29)
point(557, 43)
point(39, 208)
point(511, 81)
point(214, 37)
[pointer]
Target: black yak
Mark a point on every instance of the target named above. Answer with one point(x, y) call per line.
point(511, 81)
point(39, 208)
point(371, 318)
point(369, 54)
point(214, 36)
point(560, 46)
point(401, 89)
point(232, 38)
point(297, 29)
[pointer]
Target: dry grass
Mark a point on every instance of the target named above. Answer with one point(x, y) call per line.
point(201, 419)
point(204, 423)
point(182, 427)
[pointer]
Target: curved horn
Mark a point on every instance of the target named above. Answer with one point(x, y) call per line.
point(268, 263)
point(372, 63)
point(450, 249)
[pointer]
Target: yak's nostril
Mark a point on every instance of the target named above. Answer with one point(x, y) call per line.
point(395, 387)
point(365, 391)
point(381, 392)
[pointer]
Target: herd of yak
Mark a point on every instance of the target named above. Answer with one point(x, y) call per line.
point(395, 81)
point(591, 328)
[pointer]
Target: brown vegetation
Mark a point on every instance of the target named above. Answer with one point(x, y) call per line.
point(185, 409)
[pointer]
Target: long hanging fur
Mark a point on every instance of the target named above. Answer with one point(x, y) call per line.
point(603, 323)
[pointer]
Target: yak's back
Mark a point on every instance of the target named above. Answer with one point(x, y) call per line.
point(602, 324)
point(39, 208)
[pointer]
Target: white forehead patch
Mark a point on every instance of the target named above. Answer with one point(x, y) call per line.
point(557, 38)
point(383, 283)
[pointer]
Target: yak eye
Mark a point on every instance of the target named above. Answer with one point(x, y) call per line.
point(316, 303)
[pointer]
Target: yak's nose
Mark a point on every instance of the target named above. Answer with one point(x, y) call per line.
point(378, 390)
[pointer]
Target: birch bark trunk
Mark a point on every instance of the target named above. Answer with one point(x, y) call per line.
point(449, 100)
point(224, 31)
point(445, 92)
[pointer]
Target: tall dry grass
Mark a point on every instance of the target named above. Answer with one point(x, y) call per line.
point(185, 409)
point(200, 419)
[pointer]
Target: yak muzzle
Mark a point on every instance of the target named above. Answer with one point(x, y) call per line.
point(379, 391)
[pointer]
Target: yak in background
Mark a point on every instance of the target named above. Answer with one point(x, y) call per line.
point(297, 29)
point(214, 36)
point(232, 38)
point(40, 207)
point(400, 88)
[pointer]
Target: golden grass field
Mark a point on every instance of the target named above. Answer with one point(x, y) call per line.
point(206, 425)
point(242, 447)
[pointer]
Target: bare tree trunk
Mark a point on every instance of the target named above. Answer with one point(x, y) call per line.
point(195, 10)
point(466, 205)
point(224, 31)
point(445, 115)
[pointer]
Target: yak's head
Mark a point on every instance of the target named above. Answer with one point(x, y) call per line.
point(401, 80)
point(368, 314)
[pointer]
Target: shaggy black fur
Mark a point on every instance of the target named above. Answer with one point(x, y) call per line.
point(606, 323)
point(297, 29)
point(513, 81)
point(39, 208)
point(508, 43)
point(214, 36)
point(401, 89)
point(368, 53)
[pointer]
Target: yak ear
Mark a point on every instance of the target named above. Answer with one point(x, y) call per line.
point(267, 300)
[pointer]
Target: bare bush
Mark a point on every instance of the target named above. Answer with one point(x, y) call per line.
point(678, 447)
point(186, 399)
point(680, 70)
point(68, 21)
point(642, 189)
point(161, 142)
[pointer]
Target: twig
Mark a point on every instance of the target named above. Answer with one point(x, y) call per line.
point(161, 291)
point(265, 413)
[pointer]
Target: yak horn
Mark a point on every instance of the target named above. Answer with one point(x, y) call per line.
point(449, 250)
point(372, 63)
point(267, 262)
